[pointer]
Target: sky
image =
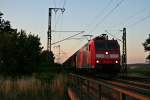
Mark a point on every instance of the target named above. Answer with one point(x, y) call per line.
point(95, 17)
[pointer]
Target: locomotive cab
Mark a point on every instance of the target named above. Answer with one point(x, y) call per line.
point(107, 55)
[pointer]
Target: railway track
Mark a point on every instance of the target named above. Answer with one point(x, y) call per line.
point(135, 83)
point(135, 89)
point(140, 85)
point(136, 78)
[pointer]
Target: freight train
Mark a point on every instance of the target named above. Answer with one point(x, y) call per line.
point(100, 55)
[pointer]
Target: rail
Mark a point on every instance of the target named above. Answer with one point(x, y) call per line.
point(87, 88)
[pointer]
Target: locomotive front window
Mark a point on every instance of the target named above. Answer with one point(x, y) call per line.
point(100, 46)
point(106, 45)
point(112, 45)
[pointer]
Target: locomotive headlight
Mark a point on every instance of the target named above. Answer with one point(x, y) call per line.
point(97, 61)
point(116, 62)
point(106, 53)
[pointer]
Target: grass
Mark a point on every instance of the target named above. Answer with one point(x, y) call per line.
point(49, 84)
point(30, 88)
point(24, 89)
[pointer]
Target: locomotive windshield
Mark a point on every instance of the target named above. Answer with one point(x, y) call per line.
point(106, 45)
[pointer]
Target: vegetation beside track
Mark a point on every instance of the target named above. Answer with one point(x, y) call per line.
point(140, 69)
point(46, 84)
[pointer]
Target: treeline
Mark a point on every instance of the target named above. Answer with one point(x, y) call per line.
point(21, 53)
point(146, 46)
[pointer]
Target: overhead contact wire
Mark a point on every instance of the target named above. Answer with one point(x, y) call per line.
point(68, 38)
point(108, 14)
point(129, 18)
point(100, 13)
point(139, 21)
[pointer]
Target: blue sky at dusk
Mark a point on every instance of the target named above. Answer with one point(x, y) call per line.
point(92, 16)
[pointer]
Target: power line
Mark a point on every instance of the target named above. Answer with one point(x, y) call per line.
point(66, 31)
point(96, 16)
point(108, 14)
point(61, 24)
point(58, 16)
point(139, 21)
point(130, 17)
point(49, 26)
point(58, 20)
point(112, 10)
point(100, 13)
point(113, 35)
point(68, 38)
point(64, 3)
point(62, 15)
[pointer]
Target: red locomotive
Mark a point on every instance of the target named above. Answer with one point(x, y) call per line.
point(100, 55)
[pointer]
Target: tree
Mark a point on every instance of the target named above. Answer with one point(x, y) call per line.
point(146, 45)
point(20, 52)
point(47, 57)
